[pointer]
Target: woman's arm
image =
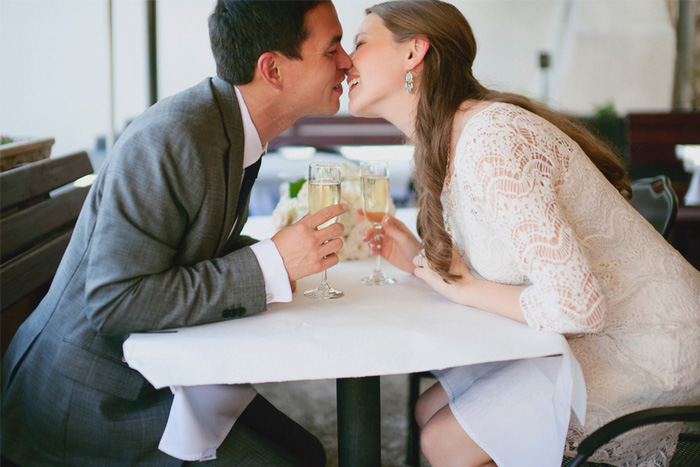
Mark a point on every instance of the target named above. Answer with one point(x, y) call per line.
point(511, 178)
point(489, 296)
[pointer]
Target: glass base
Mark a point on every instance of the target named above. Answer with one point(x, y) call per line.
point(378, 279)
point(323, 293)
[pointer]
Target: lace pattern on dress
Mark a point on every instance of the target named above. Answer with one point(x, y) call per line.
point(511, 184)
point(528, 207)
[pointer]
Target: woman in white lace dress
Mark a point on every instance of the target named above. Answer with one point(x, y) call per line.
point(521, 214)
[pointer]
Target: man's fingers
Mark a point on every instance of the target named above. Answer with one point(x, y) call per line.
point(332, 231)
point(330, 247)
point(329, 261)
point(324, 215)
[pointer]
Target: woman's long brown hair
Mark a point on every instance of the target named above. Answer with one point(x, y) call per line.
point(446, 81)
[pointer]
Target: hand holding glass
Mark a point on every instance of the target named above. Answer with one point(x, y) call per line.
point(374, 178)
point(324, 190)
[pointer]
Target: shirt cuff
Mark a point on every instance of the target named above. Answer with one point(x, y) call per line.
point(277, 287)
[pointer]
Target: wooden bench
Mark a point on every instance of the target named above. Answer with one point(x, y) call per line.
point(39, 205)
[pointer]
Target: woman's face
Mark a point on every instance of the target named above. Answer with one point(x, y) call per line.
point(377, 75)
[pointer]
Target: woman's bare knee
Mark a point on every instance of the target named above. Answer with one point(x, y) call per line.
point(432, 442)
point(432, 400)
point(444, 442)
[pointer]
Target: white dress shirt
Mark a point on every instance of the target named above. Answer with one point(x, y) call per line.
point(277, 287)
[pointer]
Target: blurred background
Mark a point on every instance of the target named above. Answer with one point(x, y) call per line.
point(80, 70)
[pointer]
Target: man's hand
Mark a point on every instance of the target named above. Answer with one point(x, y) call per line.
point(306, 250)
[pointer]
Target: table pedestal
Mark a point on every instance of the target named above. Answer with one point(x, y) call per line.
point(359, 433)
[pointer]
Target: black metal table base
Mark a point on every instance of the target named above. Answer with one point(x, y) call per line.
point(359, 433)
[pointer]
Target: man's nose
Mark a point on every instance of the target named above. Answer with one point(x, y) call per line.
point(344, 60)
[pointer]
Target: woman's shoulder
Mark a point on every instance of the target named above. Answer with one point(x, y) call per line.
point(500, 114)
point(495, 121)
point(476, 121)
point(506, 135)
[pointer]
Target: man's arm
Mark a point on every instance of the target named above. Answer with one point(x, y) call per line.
point(152, 254)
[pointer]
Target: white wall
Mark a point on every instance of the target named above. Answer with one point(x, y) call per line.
point(54, 70)
point(54, 60)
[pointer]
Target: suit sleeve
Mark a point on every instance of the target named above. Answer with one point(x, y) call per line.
point(139, 277)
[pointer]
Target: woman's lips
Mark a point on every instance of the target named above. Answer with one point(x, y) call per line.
point(352, 82)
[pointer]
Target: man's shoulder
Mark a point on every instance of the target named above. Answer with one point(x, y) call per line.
point(192, 100)
point(192, 110)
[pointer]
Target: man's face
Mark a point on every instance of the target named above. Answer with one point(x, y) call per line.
point(314, 83)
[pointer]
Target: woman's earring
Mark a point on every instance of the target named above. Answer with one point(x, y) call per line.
point(409, 82)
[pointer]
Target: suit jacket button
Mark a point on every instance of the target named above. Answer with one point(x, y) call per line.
point(239, 311)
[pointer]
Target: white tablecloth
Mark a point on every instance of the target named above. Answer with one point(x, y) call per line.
point(403, 328)
point(398, 329)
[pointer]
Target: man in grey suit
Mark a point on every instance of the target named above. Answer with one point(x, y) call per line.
point(158, 246)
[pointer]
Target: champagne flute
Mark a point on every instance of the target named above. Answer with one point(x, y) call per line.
point(374, 177)
point(324, 190)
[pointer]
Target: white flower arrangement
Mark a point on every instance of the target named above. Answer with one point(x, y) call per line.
point(292, 206)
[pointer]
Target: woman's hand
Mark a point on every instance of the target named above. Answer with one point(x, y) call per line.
point(497, 298)
point(398, 244)
point(458, 290)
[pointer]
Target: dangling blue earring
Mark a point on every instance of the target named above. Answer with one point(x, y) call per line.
point(409, 82)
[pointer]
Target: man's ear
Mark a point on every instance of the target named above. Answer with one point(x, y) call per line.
point(419, 46)
point(268, 67)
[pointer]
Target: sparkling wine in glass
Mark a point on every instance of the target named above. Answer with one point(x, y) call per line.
point(324, 190)
point(374, 177)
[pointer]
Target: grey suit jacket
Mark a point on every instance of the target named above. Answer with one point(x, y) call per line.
point(149, 252)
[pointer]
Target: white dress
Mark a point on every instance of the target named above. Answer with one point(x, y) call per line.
point(526, 206)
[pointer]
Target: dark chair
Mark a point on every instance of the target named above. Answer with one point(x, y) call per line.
point(689, 445)
point(655, 199)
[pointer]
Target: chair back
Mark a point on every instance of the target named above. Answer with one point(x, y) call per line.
point(656, 201)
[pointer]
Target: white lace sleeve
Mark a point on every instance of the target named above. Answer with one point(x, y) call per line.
point(511, 176)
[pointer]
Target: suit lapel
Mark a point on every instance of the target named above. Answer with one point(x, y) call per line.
point(233, 126)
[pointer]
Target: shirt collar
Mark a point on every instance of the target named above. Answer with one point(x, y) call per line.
point(253, 147)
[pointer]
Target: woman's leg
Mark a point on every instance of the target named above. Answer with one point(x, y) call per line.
point(443, 441)
point(432, 400)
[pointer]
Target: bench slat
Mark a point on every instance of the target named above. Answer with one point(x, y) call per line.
point(25, 228)
point(29, 271)
point(39, 178)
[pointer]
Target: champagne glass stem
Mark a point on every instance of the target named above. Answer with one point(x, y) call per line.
point(378, 265)
point(324, 279)
point(378, 262)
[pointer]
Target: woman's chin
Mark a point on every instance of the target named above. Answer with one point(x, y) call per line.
point(354, 111)
point(357, 110)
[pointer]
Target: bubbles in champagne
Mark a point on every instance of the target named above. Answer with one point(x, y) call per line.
point(323, 193)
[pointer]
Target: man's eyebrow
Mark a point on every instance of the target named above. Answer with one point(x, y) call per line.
point(334, 41)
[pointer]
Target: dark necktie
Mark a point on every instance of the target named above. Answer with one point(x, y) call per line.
point(250, 174)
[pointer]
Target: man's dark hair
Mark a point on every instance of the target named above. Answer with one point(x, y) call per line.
point(242, 30)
